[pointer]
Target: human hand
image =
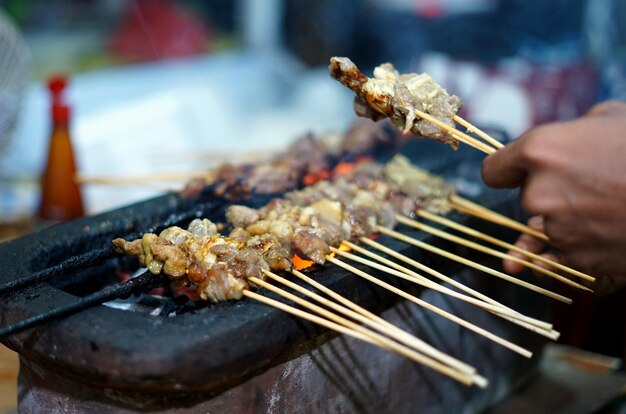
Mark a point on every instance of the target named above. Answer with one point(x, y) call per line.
point(573, 179)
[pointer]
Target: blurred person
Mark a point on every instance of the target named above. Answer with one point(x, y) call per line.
point(573, 183)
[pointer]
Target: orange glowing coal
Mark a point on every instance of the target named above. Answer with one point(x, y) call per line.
point(344, 248)
point(313, 178)
point(342, 168)
point(300, 263)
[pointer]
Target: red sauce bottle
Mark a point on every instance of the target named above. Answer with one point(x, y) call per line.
point(61, 199)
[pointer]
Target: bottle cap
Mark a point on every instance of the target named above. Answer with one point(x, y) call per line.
point(56, 86)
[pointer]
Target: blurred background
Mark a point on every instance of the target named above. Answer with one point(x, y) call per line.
point(175, 86)
point(160, 87)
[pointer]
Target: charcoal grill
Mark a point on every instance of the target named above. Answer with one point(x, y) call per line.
point(241, 356)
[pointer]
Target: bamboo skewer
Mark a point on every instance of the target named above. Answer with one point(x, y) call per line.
point(472, 245)
point(413, 277)
point(459, 135)
point(473, 129)
point(484, 301)
point(535, 325)
point(516, 348)
point(434, 352)
point(145, 179)
point(407, 274)
point(428, 270)
point(469, 207)
point(385, 329)
point(475, 233)
point(472, 264)
point(348, 327)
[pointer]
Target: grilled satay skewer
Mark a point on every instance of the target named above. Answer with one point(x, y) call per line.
point(413, 102)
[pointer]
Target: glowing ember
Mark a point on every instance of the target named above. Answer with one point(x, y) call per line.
point(300, 263)
point(313, 178)
point(343, 168)
point(344, 247)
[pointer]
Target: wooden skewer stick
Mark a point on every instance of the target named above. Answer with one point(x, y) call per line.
point(467, 262)
point(475, 233)
point(348, 327)
point(432, 351)
point(490, 304)
point(472, 143)
point(413, 277)
point(425, 269)
point(459, 135)
point(472, 245)
point(473, 129)
point(537, 326)
point(396, 333)
point(513, 347)
point(469, 207)
point(145, 179)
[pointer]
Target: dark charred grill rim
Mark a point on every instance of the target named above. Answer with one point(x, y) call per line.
point(204, 351)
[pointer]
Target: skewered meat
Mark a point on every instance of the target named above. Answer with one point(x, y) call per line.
point(306, 222)
point(307, 160)
point(432, 191)
point(398, 96)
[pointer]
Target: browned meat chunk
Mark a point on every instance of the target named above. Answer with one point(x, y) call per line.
point(241, 216)
point(220, 284)
point(310, 246)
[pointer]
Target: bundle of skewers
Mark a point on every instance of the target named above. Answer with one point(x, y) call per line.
point(331, 223)
point(335, 220)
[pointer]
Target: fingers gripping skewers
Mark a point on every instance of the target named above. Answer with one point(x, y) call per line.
point(414, 103)
point(442, 199)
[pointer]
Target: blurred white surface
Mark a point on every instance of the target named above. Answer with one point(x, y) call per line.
point(171, 116)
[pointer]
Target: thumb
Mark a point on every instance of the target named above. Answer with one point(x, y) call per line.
point(503, 169)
